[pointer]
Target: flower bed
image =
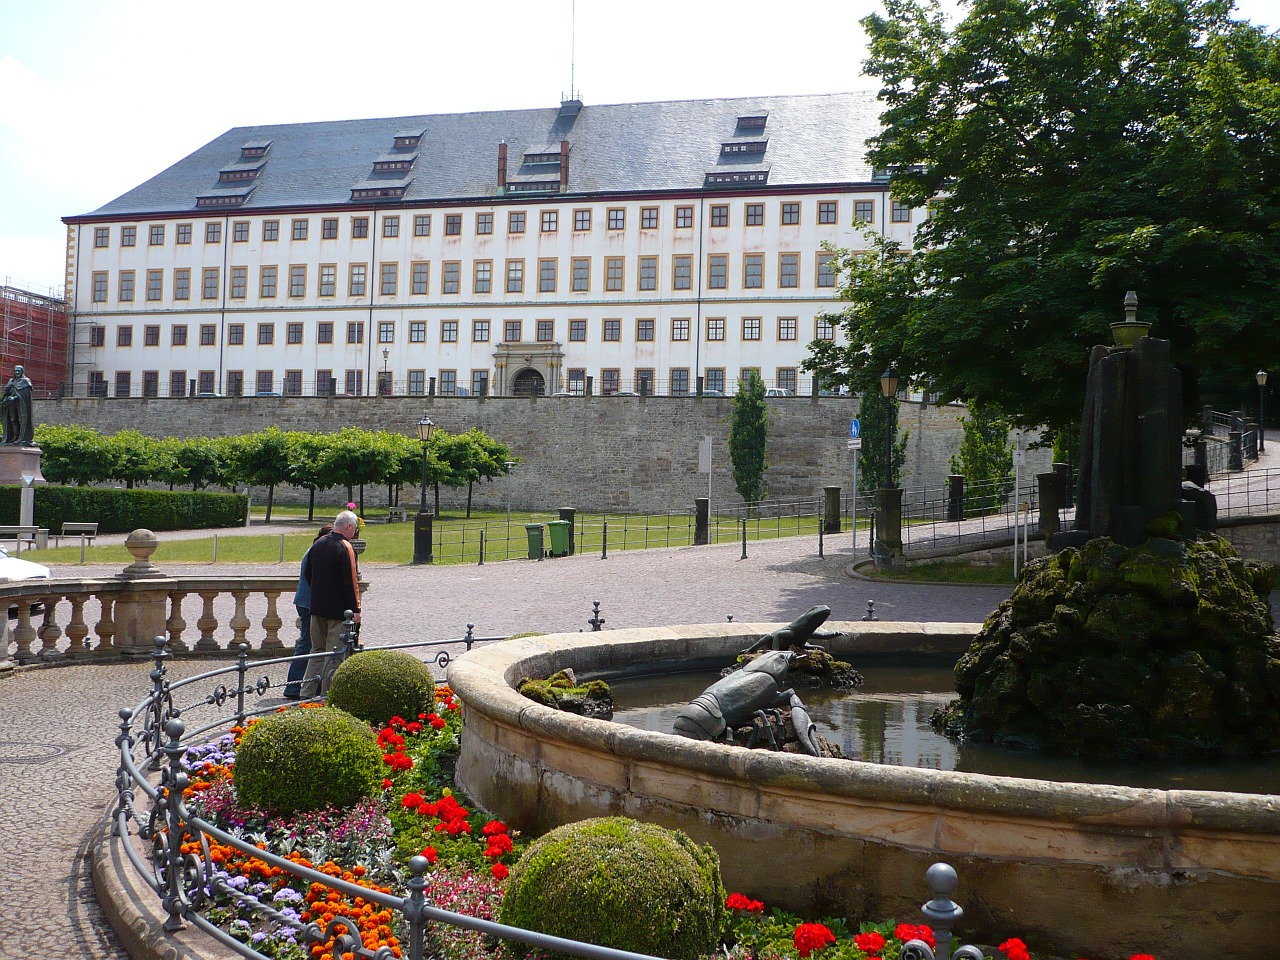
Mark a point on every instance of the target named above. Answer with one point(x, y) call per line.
point(417, 813)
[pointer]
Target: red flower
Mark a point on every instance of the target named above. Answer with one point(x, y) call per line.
point(412, 800)
point(911, 931)
point(810, 937)
point(1142, 956)
point(737, 901)
point(386, 783)
point(1015, 949)
point(437, 723)
point(414, 727)
point(430, 854)
point(492, 827)
point(499, 871)
point(868, 942)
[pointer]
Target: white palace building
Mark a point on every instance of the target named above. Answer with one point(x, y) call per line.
point(634, 247)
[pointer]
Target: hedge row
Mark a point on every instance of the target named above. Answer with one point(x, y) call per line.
point(121, 511)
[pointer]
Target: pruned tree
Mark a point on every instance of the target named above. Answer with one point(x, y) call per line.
point(748, 438)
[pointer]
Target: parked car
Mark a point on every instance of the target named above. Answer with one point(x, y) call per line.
point(778, 392)
point(14, 569)
point(267, 393)
point(713, 393)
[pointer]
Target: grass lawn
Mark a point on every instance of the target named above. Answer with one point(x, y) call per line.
point(949, 571)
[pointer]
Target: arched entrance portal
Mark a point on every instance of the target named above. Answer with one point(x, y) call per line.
point(529, 383)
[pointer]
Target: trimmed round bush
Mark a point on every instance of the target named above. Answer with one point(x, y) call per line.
point(620, 883)
point(307, 759)
point(376, 685)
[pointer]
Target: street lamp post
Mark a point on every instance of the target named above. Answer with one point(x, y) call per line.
point(509, 464)
point(422, 523)
point(386, 376)
point(1261, 377)
point(889, 389)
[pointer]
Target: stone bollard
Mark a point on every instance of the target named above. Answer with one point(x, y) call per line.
point(887, 550)
point(1051, 498)
point(831, 511)
point(1206, 420)
point(1235, 452)
point(955, 497)
point(701, 521)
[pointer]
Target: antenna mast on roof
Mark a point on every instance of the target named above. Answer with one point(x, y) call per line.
point(573, 23)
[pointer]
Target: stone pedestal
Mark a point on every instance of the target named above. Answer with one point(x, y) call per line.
point(831, 510)
point(15, 461)
point(142, 611)
point(887, 549)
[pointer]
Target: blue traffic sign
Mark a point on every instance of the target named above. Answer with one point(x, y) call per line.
point(855, 429)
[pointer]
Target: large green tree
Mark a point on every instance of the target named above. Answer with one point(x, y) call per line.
point(1068, 150)
point(748, 438)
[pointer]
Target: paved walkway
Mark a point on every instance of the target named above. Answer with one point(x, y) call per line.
point(57, 760)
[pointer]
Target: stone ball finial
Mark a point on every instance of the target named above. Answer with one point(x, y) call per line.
point(941, 879)
point(141, 544)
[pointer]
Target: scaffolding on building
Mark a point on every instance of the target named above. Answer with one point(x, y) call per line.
point(33, 334)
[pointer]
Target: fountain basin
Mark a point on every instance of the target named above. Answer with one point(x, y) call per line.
point(1082, 869)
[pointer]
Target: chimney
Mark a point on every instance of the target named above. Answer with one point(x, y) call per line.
point(502, 166)
point(564, 166)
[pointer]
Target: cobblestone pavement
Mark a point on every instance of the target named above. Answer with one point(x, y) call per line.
point(57, 760)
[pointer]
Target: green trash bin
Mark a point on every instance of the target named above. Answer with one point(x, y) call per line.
point(534, 530)
point(559, 537)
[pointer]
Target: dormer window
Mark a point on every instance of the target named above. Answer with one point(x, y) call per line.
point(394, 162)
point(532, 158)
point(740, 179)
point(740, 147)
point(255, 149)
point(755, 121)
point(408, 139)
point(379, 193)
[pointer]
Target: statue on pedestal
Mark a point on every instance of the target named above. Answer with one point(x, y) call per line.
point(15, 403)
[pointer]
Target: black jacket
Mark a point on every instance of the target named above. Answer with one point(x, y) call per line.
point(330, 568)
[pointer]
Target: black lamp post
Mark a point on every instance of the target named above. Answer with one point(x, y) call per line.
point(422, 523)
point(386, 375)
point(889, 389)
point(1261, 377)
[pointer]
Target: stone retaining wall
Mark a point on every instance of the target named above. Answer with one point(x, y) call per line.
point(1099, 871)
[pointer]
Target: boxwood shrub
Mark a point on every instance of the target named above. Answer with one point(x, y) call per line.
point(120, 511)
point(376, 685)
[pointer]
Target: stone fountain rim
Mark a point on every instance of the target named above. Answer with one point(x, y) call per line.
point(484, 679)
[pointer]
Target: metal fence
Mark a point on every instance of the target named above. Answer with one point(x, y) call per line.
point(1252, 493)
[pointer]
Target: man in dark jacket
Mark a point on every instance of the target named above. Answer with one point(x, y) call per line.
point(330, 568)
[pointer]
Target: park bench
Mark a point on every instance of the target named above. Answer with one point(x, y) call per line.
point(31, 536)
point(397, 514)
point(85, 531)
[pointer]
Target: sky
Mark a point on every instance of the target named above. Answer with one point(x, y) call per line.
point(98, 96)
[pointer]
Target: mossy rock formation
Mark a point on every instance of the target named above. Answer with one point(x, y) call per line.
point(813, 667)
point(1163, 650)
point(622, 884)
point(561, 691)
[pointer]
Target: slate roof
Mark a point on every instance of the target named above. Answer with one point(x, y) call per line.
point(614, 149)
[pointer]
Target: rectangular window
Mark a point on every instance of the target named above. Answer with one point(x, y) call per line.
point(208, 334)
point(452, 278)
point(183, 233)
point(102, 237)
point(210, 283)
point(124, 383)
point(786, 378)
point(482, 276)
point(97, 336)
point(422, 225)
point(448, 331)
point(864, 210)
point(679, 328)
point(613, 273)
point(389, 278)
point(611, 331)
point(155, 284)
point(715, 328)
point(827, 211)
point(719, 214)
point(177, 335)
point(753, 271)
point(448, 383)
point(515, 276)
point(790, 214)
point(213, 232)
point(479, 383)
point(324, 332)
point(390, 226)
point(682, 272)
point(680, 381)
point(157, 235)
point(578, 331)
point(648, 218)
point(581, 274)
point(126, 286)
point(328, 279)
point(546, 331)
point(417, 331)
point(177, 383)
point(512, 331)
point(750, 328)
point(124, 336)
point(788, 270)
point(826, 269)
point(787, 328)
point(265, 381)
point(648, 273)
point(901, 213)
point(325, 387)
point(386, 331)
point(267, 282)
point(355, 331)
point(239, 282)
point(266, 334)
point(298, 280)
point(100, 286)
point(713, 379)
point(644, 331)
point(128, 236)
point(151, 335)
point(479, 331)
point(617, 218)
point(755, 214)
point(328, 231)
point(292, 383)
point(550, 221)
point(97, 383)
point(547, 276)
point(182, 283)
point(453, 224)
point(240, 231)
point(718, 271)
point(823, 329)
point(515, 221)
point(270, 230)
point(747, 374)
point(357, 277)
point(610, 381)
point(359, 228)
point(684, 218)
point(421, 277)
point(300, 228)
point(293, 333)
point(417, 383)
point(577, 381)
point(484, 224)
point(235, 334)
